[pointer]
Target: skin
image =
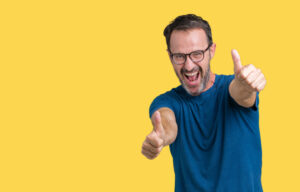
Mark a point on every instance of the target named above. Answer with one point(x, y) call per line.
point(247, 82)
point(164, 132)
point(243, 88)
point(186, 42)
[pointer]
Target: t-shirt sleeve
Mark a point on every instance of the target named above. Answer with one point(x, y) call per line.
point(164, 100)
point(254, 107)
point(235, 104)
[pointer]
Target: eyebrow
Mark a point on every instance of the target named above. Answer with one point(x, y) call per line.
point(189, 52)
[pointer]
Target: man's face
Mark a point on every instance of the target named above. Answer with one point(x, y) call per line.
point(193, 76)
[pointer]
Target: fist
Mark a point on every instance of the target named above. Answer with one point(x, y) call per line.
point(247, 76)
point(154, 142)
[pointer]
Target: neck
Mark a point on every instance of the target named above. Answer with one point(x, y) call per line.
point(210, 82)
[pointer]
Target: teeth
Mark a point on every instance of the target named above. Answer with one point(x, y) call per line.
point(191, 74)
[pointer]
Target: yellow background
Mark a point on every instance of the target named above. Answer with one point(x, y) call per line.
point(77, 79)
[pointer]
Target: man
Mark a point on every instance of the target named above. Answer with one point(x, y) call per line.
point(210, 121)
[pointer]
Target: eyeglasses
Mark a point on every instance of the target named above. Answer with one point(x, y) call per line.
point(195, 56)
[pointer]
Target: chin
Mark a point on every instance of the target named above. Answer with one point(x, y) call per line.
point(194, 91)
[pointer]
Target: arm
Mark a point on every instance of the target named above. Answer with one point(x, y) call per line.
point(247, 81)
point(164, 132)
point(241, 95)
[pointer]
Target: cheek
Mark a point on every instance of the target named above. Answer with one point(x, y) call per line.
point(177, 69)
point(204, 64)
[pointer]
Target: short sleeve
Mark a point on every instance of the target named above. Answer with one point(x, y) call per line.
point(163, 100)
point(235, 104)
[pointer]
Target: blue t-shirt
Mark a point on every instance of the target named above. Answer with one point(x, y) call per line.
point(218, 146)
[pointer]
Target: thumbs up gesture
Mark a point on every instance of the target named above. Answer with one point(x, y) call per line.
point(154, 142)
point(248, 78)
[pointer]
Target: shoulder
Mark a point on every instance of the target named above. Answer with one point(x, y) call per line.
point(169, 99)
point(173, 94)
point(222, 82)
point(223, 79)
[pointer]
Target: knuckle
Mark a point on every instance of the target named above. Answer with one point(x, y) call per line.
point(156, 150)
point(161, 142)
point(149, 138)
point(150, 157)
point(155, 142)
point(150, 149)
point(258, 70)
point(147, 155)
point(247, 66)
point(143, 152)
point(144, 147)
point(248, 81)
point(251, 66)
point(242, 75)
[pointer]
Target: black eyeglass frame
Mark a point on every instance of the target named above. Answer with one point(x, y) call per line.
point(189, 54)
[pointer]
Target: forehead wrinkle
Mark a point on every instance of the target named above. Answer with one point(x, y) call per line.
point(188, 41)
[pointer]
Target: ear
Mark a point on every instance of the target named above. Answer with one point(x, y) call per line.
point(212, 50)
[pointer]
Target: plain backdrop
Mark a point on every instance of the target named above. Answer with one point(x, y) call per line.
point(77, 79)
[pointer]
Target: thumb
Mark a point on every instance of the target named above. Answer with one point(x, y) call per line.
point(236, 61)
point(157, 125)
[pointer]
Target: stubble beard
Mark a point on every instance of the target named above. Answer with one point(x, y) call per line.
point(204, 80)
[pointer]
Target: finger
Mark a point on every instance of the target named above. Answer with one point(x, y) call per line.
point(157, 124)
point(236, 61)
point(154, 140)
point(260, 79)
point(148, 155)
point(246, 70)
point(253, 76)
point(148, 147)
point(262, 85)
point(148, 152)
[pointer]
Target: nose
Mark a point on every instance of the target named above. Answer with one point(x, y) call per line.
point(189, 65)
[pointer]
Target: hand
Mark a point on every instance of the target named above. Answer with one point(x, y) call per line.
point(154, 142)
point(248, 77)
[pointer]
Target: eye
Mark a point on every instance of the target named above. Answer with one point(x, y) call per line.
point(197, 55)
point(178, 56)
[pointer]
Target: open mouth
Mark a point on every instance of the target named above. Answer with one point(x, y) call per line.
point(192, 77)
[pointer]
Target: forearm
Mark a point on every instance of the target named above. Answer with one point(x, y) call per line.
point(248, 80)
point(164, 132)
point(241, 94)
